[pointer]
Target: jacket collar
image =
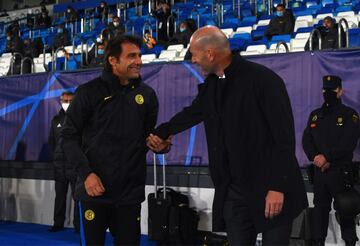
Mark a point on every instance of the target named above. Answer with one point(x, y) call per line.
point(230, 70)
point(233, 68)
point(114, 82)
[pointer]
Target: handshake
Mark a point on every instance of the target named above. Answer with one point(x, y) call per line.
point(159, 145)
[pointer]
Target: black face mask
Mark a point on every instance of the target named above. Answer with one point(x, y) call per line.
point(330, 97)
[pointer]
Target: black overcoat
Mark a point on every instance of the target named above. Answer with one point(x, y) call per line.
point(250, 138)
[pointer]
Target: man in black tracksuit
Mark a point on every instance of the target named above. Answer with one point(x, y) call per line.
point(329, 140)
point(251, 141)
point(329, 36)
point(104, 138)
point(282, 23)
point(64, 173)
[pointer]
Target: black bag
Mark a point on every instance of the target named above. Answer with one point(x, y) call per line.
point(160, 205)
point(183, 223)
point(301, 228)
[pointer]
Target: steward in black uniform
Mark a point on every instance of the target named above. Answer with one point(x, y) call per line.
point(329, 140)
point(64, 173)
point(104, 138)
point(251, 140)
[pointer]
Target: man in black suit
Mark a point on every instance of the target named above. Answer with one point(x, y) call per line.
point(251, 141)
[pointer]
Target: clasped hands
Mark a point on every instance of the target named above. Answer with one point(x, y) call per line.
point(321, 162)
point(157, 144)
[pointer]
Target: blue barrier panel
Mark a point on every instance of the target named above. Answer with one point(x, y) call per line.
point(27, 103)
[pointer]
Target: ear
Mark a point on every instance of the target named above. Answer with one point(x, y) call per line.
point(210, 55)
point(112, 60)
point(339, 94)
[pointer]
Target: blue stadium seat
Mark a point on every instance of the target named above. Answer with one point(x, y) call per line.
point(244, 35)
point(324, 11)
point(277, 38)
point(304, 29)
point(238, 44)
point(259, 32)
point(344, 8)
point(324, 2)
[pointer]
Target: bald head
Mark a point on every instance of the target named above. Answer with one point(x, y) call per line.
point(210, 37)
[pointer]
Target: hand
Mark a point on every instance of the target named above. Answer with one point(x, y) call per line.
point(320, 160)
point(157, 144)
point(273, 203)
point(93, 185)
point(325, 167)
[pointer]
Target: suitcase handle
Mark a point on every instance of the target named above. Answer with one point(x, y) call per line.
point(155, 176)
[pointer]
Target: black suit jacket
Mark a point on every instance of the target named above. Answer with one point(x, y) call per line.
point(250, 138)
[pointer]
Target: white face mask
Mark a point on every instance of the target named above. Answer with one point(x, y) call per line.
point(116, 24)
point(65, 106)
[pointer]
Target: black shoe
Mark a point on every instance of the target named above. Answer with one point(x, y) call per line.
point(56, 228)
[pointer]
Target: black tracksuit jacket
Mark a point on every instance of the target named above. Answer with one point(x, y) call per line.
point(105, 130)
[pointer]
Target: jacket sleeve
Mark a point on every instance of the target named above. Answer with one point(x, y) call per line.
point(308, 143)
point(288, 29)
point(151, 114)
point(276, 108)
point(181, 121)
point(77, 115)
point(348, 140)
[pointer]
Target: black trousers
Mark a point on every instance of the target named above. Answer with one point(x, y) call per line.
point(64, 177)
point(122, 221)
point(326, 186)
point(240, 227)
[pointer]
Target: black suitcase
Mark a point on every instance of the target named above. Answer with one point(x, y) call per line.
point(159, 207)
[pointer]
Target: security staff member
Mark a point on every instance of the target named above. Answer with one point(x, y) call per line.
point(329, 140)
point(104, 138)
point(64, 173)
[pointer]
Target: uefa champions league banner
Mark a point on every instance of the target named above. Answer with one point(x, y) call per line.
point(28, 103)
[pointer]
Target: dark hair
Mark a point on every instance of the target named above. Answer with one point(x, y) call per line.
point(113, 48)
point(328, 18)
point(280, 5)
point(67, 93)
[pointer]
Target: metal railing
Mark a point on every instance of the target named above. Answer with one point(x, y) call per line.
point(55, 57)
point(12, 61)
point(157, 29)
point(122, 11)
point(81, 62)
point(147, 24)
point(31, 62)
point(109, 34)
point(197, 14)
point(44, 58)
point(341, 21)
point(87, 50)
point(318, 34)
point(126, 26)
point(277, 50)
point(171, 17)
point(270, 7)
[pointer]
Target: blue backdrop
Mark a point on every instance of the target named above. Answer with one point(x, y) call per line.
point(28, 103)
